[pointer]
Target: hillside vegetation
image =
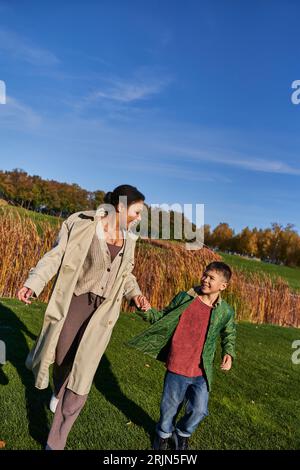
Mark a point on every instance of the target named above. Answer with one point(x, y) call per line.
point(162, 269)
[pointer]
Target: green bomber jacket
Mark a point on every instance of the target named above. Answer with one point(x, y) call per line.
point(156, 339)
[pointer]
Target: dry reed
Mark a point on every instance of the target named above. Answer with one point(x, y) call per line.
point(162, 269)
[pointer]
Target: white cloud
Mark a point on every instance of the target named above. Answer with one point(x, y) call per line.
point(21, 48)
point(160, 167)
point(144, 83)
point(238, 160)
point(128, 92)
point(15, 114)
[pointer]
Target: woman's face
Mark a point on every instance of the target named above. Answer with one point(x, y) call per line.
point(132, 215)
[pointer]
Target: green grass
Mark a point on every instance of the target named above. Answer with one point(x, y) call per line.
point(291, 275)
point(255, 406)
point(36, 217)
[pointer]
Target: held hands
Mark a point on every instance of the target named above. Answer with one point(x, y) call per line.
point(24, 294)
point(141, 302)
point(227, 362)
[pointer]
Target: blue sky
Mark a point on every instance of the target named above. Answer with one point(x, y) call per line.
point(190, 101)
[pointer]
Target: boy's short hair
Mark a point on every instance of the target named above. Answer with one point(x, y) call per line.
point(220, 267)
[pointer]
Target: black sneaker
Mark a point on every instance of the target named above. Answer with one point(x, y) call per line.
point(160, 443)
point(182, 443)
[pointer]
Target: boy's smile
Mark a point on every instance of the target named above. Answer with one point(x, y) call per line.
point(212, 282)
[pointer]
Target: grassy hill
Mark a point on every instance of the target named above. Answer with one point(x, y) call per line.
point(36, 217)
point(291, 275)
point(255, 406)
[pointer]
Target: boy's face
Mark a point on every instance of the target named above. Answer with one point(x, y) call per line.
point(212, 282)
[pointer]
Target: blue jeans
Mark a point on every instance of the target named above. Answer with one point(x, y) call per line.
point(177, 389)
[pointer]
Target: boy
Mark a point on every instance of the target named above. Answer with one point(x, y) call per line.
point(184, 335)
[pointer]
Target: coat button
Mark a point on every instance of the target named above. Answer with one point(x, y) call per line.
point(108, 269)
point(110, 322)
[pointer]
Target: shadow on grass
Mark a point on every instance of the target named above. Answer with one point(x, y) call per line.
point(107, 384)
point(12, 331)
point(3, 377)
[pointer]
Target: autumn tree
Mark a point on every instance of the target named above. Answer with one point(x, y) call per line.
point(222, 236)
point(246, 242)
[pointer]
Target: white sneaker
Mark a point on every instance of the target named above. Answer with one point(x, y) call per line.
point(53, 403)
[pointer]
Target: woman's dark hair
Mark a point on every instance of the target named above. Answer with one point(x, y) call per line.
point(131, 192)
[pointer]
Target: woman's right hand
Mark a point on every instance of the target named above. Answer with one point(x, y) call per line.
point(24, 294)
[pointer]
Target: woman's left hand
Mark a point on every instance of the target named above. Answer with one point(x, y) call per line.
point(141, 302)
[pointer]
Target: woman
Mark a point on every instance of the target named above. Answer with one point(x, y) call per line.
point(93, 257)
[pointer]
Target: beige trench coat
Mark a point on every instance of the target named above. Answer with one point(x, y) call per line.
point(66, 259)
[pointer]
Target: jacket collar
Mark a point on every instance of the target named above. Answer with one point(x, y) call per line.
point(195, 291)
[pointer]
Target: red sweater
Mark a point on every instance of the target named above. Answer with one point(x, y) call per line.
point(188, 340)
